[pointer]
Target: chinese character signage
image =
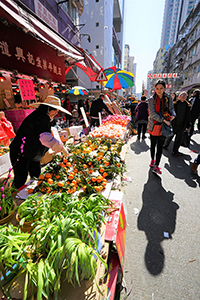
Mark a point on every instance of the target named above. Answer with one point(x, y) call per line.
point(163, 75)
point(45, 15)
point(27, 89)
point(28, 55)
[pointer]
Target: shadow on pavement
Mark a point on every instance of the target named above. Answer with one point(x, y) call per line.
point(139, 146)
point(157, 219)
point(179, 166)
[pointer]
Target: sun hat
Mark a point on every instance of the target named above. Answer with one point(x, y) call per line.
point(53, 102)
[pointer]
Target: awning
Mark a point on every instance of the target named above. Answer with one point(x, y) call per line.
point(13, 13)
point(187, 88)
point(89, 66)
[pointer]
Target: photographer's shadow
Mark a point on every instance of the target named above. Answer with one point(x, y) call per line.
point(157, 219)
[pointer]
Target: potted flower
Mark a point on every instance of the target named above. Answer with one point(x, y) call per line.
point(7, 201)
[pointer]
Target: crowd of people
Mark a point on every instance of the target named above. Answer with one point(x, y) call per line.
point(156, 115)
point(166, 117)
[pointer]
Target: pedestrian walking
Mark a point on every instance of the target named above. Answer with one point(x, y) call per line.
point(195, 109)
point(180, 123)
point(141, 117)
point(133, 105)
point(161, 110)
point(174, 97)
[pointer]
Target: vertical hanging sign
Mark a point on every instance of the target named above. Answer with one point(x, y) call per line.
point(26, 89)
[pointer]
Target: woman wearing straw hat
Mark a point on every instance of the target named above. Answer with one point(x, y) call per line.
point(33, 139)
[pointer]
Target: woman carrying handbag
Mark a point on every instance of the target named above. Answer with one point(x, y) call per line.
point(161, 110)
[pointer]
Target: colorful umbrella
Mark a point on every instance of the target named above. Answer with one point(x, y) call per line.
point(118, 78)
point(78, 90)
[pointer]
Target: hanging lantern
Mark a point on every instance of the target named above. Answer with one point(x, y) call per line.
point(50, 87)
point(42, 86)
point(2, 78)
point(64, 91)
point(17, 90)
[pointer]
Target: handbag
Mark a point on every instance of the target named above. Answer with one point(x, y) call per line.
point(166, 130)
point(185, 139)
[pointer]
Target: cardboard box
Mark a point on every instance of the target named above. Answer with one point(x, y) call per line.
point(75, 130)
point(5, 163)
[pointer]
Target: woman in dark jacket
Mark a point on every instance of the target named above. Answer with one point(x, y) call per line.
point(180, 123)
point(33, 139)
point(142, 117)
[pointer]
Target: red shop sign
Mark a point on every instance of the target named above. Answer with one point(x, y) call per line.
point(26, 54)
point(26, 89)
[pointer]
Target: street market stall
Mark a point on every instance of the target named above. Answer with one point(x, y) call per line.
point(76, 212)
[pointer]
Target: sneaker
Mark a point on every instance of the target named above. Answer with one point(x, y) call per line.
point(144, 137)
point(193, 167)
point(157, 170)
point(152, 164)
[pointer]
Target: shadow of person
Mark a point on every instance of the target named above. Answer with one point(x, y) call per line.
point(157, 219)
point(139, 147)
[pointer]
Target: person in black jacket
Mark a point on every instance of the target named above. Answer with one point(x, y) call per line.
point(195, 109)
point(97, 106)
point(180, 123)
point(133, 105)
point(142, 117)
point(33, 139)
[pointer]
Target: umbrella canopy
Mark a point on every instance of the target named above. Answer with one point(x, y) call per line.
point(118, 78)
point(78, 90)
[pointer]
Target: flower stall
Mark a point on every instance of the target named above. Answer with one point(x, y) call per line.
point(74, 215)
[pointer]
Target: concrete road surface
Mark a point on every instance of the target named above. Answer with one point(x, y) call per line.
point(162, 258)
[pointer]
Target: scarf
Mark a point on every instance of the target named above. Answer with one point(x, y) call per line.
point(161, 106)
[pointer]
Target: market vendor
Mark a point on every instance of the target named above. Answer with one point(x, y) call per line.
point(97, 106)
point(33, 139)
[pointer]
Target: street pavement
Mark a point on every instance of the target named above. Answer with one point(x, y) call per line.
point(162, 256)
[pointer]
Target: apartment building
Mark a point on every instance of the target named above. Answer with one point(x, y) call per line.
point(102, 21)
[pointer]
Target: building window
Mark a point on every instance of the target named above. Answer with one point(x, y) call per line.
point(97, 46)
point(97, 87)
point(97, 0)
point(97, 24)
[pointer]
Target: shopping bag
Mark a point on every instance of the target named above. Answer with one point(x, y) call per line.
point(166, 130)
point(185, 139)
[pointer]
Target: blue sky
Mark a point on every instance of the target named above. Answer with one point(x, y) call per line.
point(142, 27)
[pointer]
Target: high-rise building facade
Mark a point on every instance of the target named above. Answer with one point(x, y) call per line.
point(130, 66)
point(103, 23)
point(175, 14)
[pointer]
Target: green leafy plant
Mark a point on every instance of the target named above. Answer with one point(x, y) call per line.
point(63, 243)
point(7, 198)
